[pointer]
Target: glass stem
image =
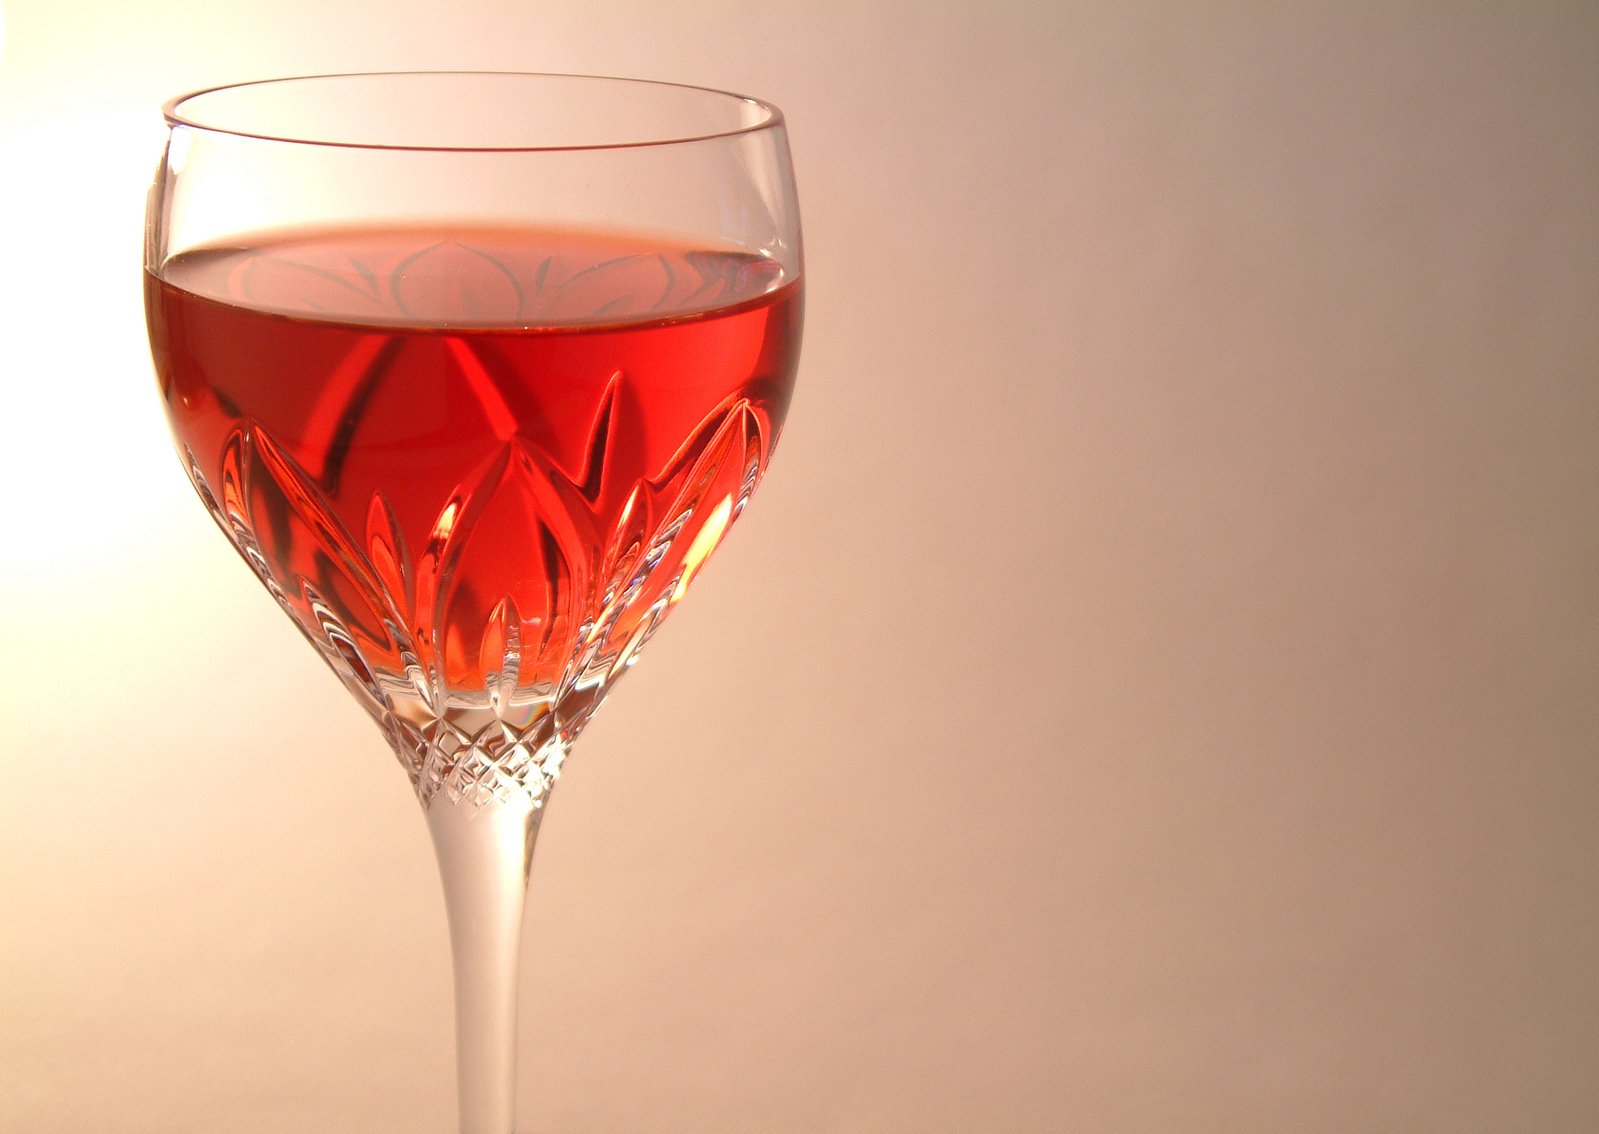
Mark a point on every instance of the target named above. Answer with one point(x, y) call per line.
point(485, 852)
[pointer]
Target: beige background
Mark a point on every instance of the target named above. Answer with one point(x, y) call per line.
point(1157, 689)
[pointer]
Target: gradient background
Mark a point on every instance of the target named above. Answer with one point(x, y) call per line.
point(1156, 690)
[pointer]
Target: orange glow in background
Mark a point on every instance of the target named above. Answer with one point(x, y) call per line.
point(1155, 688)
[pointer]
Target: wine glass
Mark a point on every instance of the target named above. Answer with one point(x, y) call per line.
point(475, 370)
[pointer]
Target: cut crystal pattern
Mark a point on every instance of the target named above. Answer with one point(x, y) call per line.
point(388, 620)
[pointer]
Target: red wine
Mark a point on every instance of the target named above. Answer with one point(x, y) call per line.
point(477, 466)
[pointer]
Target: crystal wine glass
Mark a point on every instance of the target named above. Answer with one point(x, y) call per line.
point(475, 371)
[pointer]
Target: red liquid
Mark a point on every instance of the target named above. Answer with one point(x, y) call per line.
point(477, 466)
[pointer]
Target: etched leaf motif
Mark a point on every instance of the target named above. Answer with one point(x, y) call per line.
point(501, 652)
point(359, 600)
point(639, 284)
point(435, 566)
point(712, 472)
point(305, 512)
point(592, 477)
point(390, 557)
point(446, 282)
point(298, 284)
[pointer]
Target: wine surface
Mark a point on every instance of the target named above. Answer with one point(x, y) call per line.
point(476, 466)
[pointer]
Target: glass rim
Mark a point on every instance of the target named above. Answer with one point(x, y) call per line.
point(771, 117)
